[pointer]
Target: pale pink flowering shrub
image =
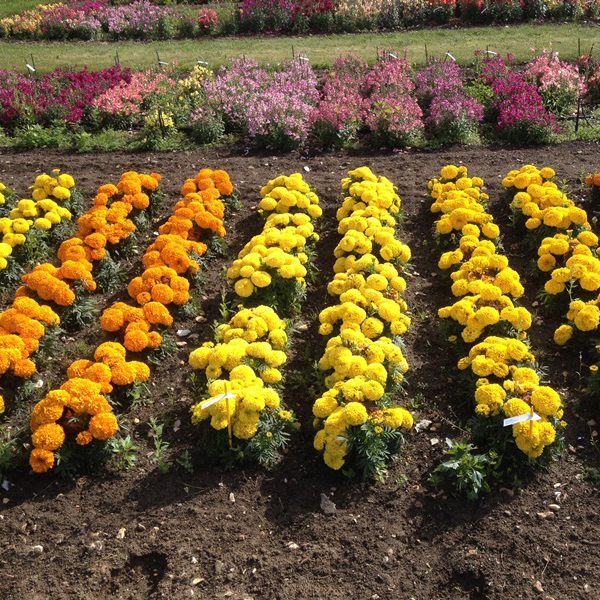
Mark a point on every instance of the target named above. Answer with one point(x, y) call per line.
point(338, 115)
point(270, 107)
point(559, 83)
point(393, 114)
point(121, 104)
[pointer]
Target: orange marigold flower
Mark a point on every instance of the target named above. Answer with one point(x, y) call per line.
point(78, 368)
point(95, 240)
point(41, 460)
point(181, 298)
point(24, 367)
point(162, 293)
point(225, 187)
point(138, 326)
point(151, 258)
point(64, 296)
point(81, 388)
point(1, 404)
point(48, 437)
point(98, 372)
point(100, 199)
point(123, 374)
point(135, 341)
point(108, 349)
point(154, 339)
point(109, 189)
point(83, 438)
point(97, 254)
point(142, 370)
point(157, 314)
point(103, 426)
point(112, 319)
point(129, 186)
point(143, 298)
point(97, 404)
point(136, 286)
point(141, 201)
point(189, 187)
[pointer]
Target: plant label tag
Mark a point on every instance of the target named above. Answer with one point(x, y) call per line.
point(162, 62)
point(393, 55)
point(521, 418)
point(450, 56)
point(216, 399)
point(32, 69)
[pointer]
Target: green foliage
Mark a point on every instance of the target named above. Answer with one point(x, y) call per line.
point(132, 396)
point(184, 460)
point(591, 474)
point(160, 446)
point(124, 451)
point(110, 276)
point(48, 345)
point(73, 460)
point(167, 348)
point(35, 136)
point(12, 449)
point(371, 448)
point(107, 140)
point(464, 470)
point(125, 249)
point(261, 449)
point(83, 313)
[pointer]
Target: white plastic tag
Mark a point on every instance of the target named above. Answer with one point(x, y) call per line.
point(521, 418)
point(216, 399)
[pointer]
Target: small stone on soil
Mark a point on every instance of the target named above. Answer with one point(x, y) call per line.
point(327, 506)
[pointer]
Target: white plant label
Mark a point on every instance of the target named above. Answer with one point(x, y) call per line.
point(216, 399)
point(521, 418)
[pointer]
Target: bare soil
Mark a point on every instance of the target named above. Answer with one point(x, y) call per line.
point(244, 534)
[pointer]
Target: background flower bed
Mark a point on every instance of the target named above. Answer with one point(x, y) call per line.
point(288, 105)
point(162, 19)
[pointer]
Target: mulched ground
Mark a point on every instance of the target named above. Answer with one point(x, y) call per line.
point(255, 534)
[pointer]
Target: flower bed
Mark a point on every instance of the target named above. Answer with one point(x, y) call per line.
point(49, 290)
point(495, 356)
point(158, 19)
point(241, 373)
point(358, 418)
point(78, 413)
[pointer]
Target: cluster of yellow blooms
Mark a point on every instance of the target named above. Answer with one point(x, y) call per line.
point(276, 259)
point(41, 212)
point(250, 348)
point(364, 363)
point(54, 416)
point(482, 279)
point(569, 252)
point(461, 203)
point(507, 383)
point(246, 358)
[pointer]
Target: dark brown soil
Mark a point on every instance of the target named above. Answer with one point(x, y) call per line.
point(252, 534)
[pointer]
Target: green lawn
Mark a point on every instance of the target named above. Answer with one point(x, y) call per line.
point(10, 7)
point(518, 39)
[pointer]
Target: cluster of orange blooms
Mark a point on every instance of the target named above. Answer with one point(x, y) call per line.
point(78, 408)
point(197, 216)
point(106, 222)
point(24, 323)
point(83, 413)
